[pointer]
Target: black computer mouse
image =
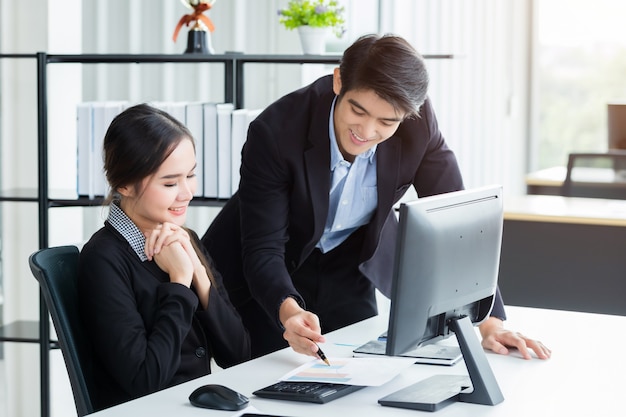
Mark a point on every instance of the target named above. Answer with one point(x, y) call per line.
point(218, 397)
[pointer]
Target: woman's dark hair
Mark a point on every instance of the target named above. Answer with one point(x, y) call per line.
point(137, 142)
point(389, 66)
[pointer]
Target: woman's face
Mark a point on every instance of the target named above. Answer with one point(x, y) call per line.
point(165, 195)
point(362, 119)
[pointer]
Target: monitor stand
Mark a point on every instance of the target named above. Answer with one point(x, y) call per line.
point(439, 391)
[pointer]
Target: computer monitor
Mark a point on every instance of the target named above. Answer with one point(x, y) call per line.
point(445, 278)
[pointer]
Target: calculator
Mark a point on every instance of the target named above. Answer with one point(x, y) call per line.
point(312, 392)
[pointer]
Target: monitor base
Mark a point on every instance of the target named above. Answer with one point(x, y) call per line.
point(439, 391)
point(430, 394)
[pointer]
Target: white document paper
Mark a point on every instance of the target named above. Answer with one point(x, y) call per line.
point(369, 372)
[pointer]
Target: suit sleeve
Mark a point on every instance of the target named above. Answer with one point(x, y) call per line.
point(227, 336)
point(438, 171)
point(264, 193)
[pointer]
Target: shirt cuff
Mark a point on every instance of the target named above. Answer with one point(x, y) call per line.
point(298, 299)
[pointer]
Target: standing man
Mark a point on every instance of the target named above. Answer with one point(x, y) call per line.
point(311, 232)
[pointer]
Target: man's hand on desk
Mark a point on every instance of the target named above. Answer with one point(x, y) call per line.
point(498, 339)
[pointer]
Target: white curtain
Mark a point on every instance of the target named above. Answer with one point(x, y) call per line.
point(479, 96)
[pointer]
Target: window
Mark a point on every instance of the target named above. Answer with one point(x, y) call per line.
point(580, 66)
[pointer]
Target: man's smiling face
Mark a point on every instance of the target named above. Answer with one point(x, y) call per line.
point(362, 119)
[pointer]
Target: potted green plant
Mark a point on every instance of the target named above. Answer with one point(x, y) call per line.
point(313, 19)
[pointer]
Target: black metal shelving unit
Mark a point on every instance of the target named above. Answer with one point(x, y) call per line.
point(39, 331)
point(21, 331)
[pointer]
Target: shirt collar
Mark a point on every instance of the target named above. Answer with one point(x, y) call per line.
point(129, 230)
point(336, 157)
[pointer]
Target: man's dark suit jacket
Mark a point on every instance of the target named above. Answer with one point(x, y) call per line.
point(272, 224)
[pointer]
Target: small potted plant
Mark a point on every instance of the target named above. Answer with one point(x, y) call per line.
point(313, 19)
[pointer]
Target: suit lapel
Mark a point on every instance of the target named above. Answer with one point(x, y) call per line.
point(317, 166)
point(387, 161)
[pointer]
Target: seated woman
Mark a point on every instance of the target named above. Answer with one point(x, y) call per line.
point(155, 309)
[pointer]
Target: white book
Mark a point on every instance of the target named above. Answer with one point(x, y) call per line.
point(194, 120)
point(103, 114)
point(210, 149)
point(241, 120)
point(224, 115)
point(178, 109)
point(84, 142)
point(237, 138)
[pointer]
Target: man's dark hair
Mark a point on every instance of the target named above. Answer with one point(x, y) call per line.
point(389, 66)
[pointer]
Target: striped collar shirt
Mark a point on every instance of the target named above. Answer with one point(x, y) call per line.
point(129, 230)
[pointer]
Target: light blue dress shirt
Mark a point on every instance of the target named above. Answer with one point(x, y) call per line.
point(353, 195)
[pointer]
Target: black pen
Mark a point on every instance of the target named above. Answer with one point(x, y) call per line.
point(320, 353)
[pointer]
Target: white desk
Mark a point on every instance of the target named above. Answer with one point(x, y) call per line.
point(569, 210)
point(590, 182)
point(547, 181)
point(584, 377)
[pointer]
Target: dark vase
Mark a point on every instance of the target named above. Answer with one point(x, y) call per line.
point(199, 42)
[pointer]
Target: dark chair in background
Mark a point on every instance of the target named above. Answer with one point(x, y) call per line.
point(56, 269)
point(596, 175)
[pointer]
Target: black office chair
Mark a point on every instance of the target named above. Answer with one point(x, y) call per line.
point(596, 175)
point(56, 269)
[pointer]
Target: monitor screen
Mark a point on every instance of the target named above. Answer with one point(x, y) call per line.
point(447, 261)
point(444, 283)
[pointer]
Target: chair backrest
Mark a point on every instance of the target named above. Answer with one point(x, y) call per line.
point(56, 269)
point(596, 175)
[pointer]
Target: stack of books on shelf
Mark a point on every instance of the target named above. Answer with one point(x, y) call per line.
point(219, 131)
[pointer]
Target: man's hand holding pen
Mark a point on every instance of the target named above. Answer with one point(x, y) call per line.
point(302, 329)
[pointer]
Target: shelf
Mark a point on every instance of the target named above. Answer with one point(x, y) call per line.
point(137, 58)
point(241, 59)
point(32, 195)
point(307, 59)
point(29, 195)
point(19, 195)
point(23, 332)
point(20, 331)
point(2, 56)
point(99, 201)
